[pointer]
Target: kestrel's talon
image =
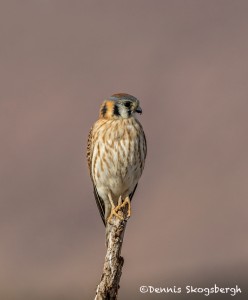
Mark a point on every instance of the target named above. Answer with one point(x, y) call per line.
point(120, 205)
point(127, 202)
point(114, 212)
point(114, 209)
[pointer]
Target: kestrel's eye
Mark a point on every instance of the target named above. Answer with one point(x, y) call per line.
point(127, 104)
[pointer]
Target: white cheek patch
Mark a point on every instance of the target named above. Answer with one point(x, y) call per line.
point(123, 111)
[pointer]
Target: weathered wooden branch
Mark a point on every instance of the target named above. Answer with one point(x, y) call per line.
point(112, 269)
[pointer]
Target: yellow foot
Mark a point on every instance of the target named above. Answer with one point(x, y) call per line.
point(115, 209)
point(114, 212)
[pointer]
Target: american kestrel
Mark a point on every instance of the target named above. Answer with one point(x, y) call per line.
point(116, 154)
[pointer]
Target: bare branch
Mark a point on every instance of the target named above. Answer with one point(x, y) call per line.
point(112, 270)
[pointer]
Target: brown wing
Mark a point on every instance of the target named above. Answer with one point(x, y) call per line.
point(145, 143)
point(100, 204)
point(89, 150)
point(145, 152)
point(144, 136)
point(99, 201)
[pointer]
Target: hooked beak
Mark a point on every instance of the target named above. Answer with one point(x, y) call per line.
point(139, 110)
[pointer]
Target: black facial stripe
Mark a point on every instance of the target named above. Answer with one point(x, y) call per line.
point(104, 110)
point(129, 112)
point(116, 110)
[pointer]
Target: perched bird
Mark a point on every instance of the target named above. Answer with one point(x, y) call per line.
point(116, 154)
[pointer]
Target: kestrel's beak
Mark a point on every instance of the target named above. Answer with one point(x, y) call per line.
point(139, 110)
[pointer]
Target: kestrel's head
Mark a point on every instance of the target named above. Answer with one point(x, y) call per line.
point(120, 106)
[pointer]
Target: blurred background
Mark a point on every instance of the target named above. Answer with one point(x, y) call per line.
point(187, 63)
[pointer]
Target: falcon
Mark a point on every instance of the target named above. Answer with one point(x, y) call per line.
point(116, 154)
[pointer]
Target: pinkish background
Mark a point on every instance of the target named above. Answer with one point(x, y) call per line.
point(187, 62)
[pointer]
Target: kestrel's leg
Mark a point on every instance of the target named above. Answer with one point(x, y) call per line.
point(114, 209)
